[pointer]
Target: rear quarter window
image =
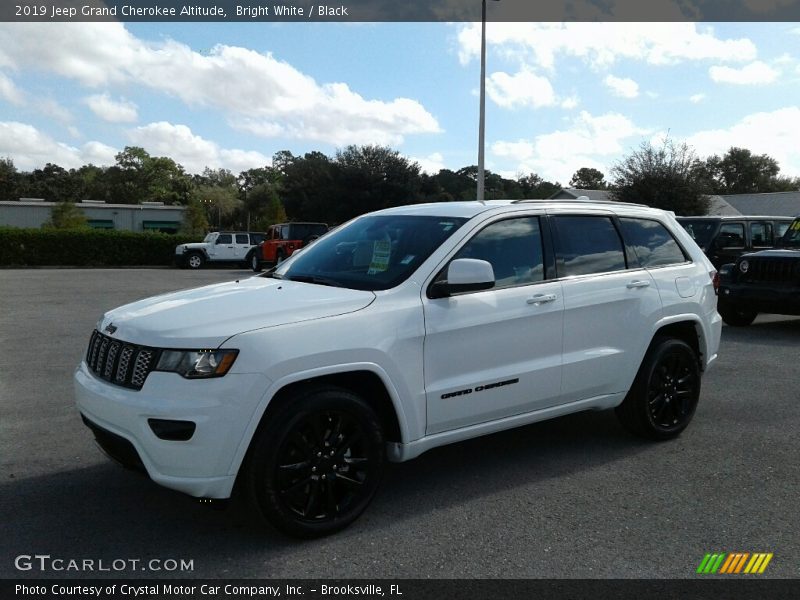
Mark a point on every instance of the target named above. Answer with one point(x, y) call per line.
point(652, 243)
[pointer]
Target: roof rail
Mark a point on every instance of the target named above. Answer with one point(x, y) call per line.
point(578, 201)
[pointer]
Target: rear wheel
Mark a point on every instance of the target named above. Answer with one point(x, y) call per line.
point(316, 463)
point(664, 395)
point(736, 317)
point(255, 262)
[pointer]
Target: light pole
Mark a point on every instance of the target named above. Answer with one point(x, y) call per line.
point(482, 117)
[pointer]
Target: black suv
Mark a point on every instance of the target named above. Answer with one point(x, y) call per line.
point(724, 239)
point(762, 282)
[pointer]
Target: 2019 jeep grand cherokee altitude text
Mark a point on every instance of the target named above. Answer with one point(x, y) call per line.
point(403, 330)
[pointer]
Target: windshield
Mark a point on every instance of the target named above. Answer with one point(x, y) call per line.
point(210, 237)
point(370, 253)
point(792, 235)
point(701, 230)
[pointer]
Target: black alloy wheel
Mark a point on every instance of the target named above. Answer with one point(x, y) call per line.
point(665, 392)
point(317, 463)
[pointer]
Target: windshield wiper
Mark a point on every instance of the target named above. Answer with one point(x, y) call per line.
point(314, 279)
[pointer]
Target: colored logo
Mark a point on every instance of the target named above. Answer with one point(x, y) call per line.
point(732, 563)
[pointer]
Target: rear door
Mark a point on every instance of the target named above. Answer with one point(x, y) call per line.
point(610, 303)
point(241, 245)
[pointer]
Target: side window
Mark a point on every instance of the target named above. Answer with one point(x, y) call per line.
point(242, 238)
point(731, 235)
point(652, 242)
point(225, 238)
point(782, 227)
point(514, 249)
point(761, 233)
point(587, 245)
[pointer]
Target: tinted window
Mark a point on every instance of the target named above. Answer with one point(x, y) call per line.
point(731, 235)
point(701, 230)
point(781, 227)
point(587, 245)
point(256, 238)
point(225, 238)
point(370, 253)
point(761, 233)
point(304, 231)
point(514, 249)
point(653, 244)
point(242, 238)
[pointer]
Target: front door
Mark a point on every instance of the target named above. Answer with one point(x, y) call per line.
point(495, 353)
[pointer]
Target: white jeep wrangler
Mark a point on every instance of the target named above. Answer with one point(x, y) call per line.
point(401, 331)
point(218, 247)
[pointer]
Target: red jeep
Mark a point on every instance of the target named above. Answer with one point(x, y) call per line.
point(281, 241)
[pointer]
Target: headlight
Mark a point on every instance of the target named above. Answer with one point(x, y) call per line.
point(197, 364)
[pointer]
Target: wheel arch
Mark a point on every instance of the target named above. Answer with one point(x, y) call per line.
point(367, 381)
point(687, 329)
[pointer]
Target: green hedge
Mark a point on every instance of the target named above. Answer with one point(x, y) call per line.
point(86, 247)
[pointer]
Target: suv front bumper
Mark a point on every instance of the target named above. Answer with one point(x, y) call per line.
point(762, 298)
point(206, 464)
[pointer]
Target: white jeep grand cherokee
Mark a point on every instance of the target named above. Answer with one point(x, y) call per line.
point(400, 331)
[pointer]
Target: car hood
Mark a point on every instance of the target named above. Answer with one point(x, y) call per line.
point(207, 316)
point(192, 246)
point(775, 253)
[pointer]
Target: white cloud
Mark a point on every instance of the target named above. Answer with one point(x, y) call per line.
point(54, 110)
point(431, 164)
point(697, 98)
point(9, 91)
point(522, 89)
point(256, 92)
point(756, 73)
point(622, 86)
point(570, 102)
point(32, 149)
point(192, 151)
point(774, 133)
point(602, 44)
point(588, 142)
point(114, 111)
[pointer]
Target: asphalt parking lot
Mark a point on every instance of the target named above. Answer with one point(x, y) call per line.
point(574, 497)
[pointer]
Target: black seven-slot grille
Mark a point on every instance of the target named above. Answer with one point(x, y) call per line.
point(777, 270)
point(119, 362)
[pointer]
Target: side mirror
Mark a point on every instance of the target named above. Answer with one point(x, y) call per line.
point(464, 275)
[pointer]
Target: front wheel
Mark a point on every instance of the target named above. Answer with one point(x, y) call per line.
point(195, 260)
point(664, 395)
point(736, 317)
point(316, 463)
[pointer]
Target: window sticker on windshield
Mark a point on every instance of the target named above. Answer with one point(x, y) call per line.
point(380, 257)
point(407, 260)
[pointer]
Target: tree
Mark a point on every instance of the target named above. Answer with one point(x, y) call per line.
point(220, 203)
point(9, 180)
point(195, 221)
point(667, 177)
point(65, 215)
point(533, 186)
point(740, 171)
point(587, 178)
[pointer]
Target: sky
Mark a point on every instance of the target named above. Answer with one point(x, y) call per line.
point(559, 96)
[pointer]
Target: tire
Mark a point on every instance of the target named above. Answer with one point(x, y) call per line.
point(316, 462)
point(195, 260)
point(736, 317)
point(254, 262)
point(664, 395)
